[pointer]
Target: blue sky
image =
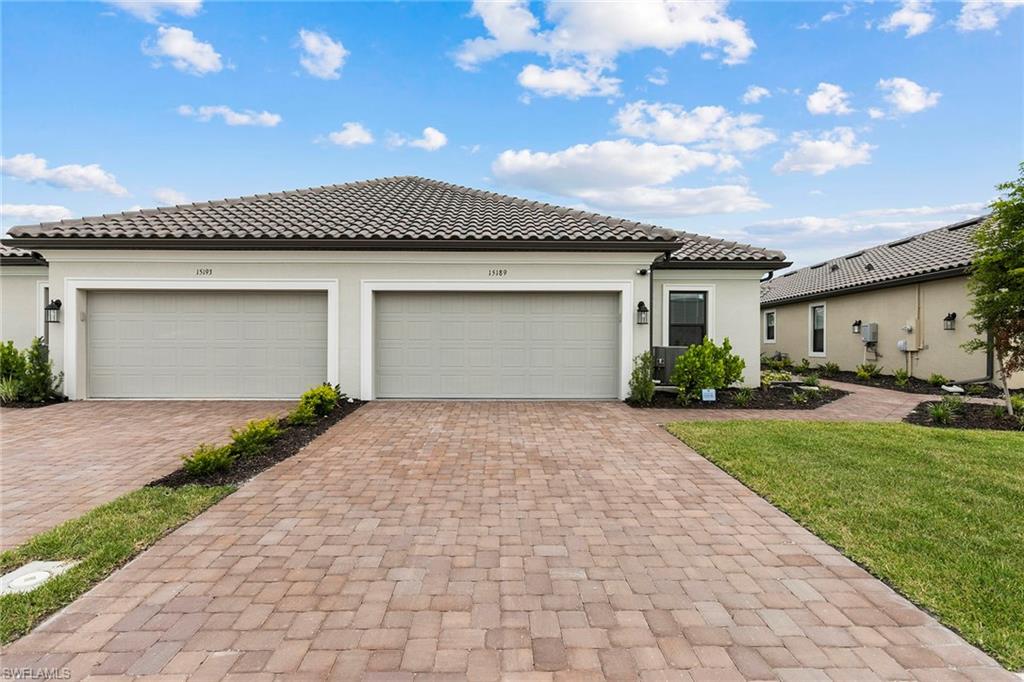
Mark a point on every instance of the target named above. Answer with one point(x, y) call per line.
point(816, 128)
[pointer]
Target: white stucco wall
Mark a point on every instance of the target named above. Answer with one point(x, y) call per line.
point(733, 305)
point(21, 303)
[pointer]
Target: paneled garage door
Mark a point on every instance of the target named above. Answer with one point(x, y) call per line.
point(146, 344)
point(496, 345)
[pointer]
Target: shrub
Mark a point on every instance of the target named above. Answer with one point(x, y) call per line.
point(777, 363)
point(798, 397)
point(811, 380)
point(975, 389)
point(301, 415)
point(38, 383)
point(743, 397)
point(641, 381)
point(868, 371)
point(1017, 402)
point(706, 365)
point(255, 437)
point(12, 362)
point(804, 366)
point(769, 378)
point(953, 403)
point(902, 377)
point(321, 399)
point(937, 380)
point(828, 369)
point(939, 413)
point(208, 459)
point(10, 389)
point(999, 411)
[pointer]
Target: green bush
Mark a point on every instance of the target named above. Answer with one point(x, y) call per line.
point(804, 366)
point(828, 369)
point(641, 380)
point(798, 397)
point(10, 389)
point(939, 413)
point(38, 383)
point(301, 415)
point(255, 437)
point(1017, 402)
point(999, 411)
point(208, 459)
point(812, 380)
point(868, 371)
point(777, 364)
point(768, 378)
point(953, 403)
point(937, 380)
point(321, 399)
point(706, 365)
point(902, 377)
point(743, 397)
point(975, 389)
point(12, 362)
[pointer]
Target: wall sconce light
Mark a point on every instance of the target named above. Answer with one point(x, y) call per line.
point(52, 310)
point(642, 313)
point(949, 322)
point(855, 327)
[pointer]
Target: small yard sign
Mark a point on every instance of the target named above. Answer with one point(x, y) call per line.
point(708, 395)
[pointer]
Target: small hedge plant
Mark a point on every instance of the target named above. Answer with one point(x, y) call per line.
point(768, 378)
point(901, 377)
point(255, 437)
point(208, 459)
point(868, 371)
point(28, 375)
point(706, 365)
point(937, 380)
point(828, 369)
point(641, 380)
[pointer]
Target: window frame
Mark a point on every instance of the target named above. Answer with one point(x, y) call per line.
point(684, 288)
point(764, 325)
point(824, 330)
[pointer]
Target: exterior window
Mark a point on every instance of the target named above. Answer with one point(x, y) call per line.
point(687, 317)
point(818, 329)
point(769, 326)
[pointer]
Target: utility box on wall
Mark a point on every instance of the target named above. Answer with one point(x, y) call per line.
point(665, 361)
point(869, 333)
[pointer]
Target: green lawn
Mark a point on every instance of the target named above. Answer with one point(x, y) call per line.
point(102, 539)
point(936, 513)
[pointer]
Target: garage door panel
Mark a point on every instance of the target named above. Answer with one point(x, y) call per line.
point(496, 345)
point(205, 344)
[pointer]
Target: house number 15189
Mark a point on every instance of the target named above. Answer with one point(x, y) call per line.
point(204, 272)
point(497, 272)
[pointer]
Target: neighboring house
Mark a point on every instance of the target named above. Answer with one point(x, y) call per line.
point(23, 293)
point(915, 291)
point(394, 288)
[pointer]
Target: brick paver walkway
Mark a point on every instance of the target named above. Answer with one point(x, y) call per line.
point(62, 460)
point(487, 541)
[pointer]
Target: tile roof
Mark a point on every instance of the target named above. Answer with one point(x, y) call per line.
point(13, 255)
point(947, 249)
point(381, 212)
point(710, 249)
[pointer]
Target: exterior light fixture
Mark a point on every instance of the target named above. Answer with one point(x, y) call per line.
point(642, 313)
point(855, 327)
point(52, 310)
point(949, 322)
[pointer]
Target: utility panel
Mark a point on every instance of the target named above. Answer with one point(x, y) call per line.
point(665, 362)
point(869, 333)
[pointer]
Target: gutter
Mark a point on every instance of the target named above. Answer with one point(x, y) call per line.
point(768, 265)
point(885, 284)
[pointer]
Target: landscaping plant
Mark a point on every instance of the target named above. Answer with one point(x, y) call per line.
point(706, 365)
point(828, 369)
point(743, 397)
point(10, 389)
point(641, 380)
point(804, 366)
point(996, 284)
point(937, 380)
point(975, 389)
point(798, 398)
point(811, 380)
point(28, 375)
point(769, 378)
point(321, 399)
point(255, 437)
point(954, 403)
point(868, 371)
point(12, 362)
point(208, 459)
point(940, 413)
point(302, 415)
point(902, 377)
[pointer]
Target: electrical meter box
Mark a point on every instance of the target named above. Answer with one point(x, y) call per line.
point(869, 333)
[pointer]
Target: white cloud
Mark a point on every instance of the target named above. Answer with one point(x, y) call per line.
point(754, 94)
point(352, 134)
point(595, 34)
point(33, 213)
point(984, 15)
point(658, 76)
point(967, 209)
point(32, 168)
point(840, 14)
point(571, 82)
point(711, 127)
point(150, 10)
point(829, 98)
point(876, 113)
point(914, 15)
point(263, 119)
point(836, 148)
point(166, 196)
point(431, 140)
point(907, 97)
point(322, 57)
point(620, 175)
point(184, 51)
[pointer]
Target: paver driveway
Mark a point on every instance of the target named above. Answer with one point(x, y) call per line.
point(497, 541)
point(60, 461)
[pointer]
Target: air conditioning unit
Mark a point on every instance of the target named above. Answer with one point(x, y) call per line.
point(869, 333)
point(665, 362)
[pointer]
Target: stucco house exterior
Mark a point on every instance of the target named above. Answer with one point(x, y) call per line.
point(23, 293)
point(398, 287)
point(913, 289)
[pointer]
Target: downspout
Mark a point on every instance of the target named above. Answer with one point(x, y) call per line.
point(650, 297)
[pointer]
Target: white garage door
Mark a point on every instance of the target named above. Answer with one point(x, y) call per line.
point(205, 344)
point(497, 345)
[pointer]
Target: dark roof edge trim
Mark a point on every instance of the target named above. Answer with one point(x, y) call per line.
point(19, 261)
point(886, 284)
point(235, 244)
point(762, 265)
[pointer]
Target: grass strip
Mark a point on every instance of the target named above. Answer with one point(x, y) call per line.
point(936, 513)
point(102, 539)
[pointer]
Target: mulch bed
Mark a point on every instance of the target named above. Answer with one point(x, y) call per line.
point(914, 385)
point(287, 444)
point(775, 398)
point(970, 416)
point(24, 405)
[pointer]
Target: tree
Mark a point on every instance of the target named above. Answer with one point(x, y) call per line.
point(997, 283)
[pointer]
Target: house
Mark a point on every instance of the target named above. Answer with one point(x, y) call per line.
point(398, 287)
point(23, 293)
point(900, 305)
